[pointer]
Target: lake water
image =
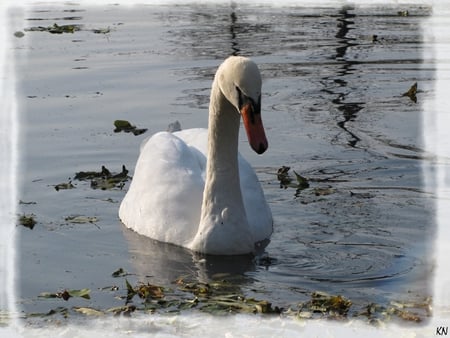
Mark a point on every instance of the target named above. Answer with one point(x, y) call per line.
point(333, 109)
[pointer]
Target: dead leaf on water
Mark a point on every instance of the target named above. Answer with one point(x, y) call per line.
point(66, 294)
point(55, 29)
point(124, 310)
point(81, 219)
point(323, 303)
point(127, 127)
point(286, 181)
point(28, 221)
point(104, 179)
point(88, 311)
point(411, 93)
point(323, 191)
point(119, 273)
point(63, 186)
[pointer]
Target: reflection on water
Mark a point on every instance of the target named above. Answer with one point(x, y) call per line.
point(165, 263)
point(334, 113)
point(349, 109)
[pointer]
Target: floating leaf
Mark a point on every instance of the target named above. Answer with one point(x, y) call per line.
point(104, 179)
point(125, 310)
point(302, 182)
point(87, 175)
point(149, 291)
point(324, 303)
point(81, 219)
point(130, 291)
point(283, 176)
point(101, 30)
point(63, 186)
point(83, 293)
point(27, 221)
point(323, 191)
point(66, 294)
point(286, 181)
point(119, 273)
point(411, 93)
point(125, 126)
point(26, 203)
point(56, 29)
point(88, 311)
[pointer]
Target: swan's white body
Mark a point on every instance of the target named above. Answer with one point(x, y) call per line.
point(192, 188)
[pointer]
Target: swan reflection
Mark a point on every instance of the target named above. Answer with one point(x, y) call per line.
point(163, 263)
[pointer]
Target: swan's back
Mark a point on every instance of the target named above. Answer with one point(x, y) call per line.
point(166, 191)
point(165, 198)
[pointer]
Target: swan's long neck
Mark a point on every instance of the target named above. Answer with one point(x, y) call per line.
point(223, 217)
point(223, 135)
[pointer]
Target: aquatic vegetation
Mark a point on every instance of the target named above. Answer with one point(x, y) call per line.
point(28, 221)
point(81, 219)
point(60, 29)
point(66, 294)
point(104, 179)
point(127, 127)
point(222, 297)
point(64, 186)
point(55, 29)
point(286, 180)
point(411, 93)
point(119, 273)
point(332, 306)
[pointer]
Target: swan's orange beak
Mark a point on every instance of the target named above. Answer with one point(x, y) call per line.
point(251, 115)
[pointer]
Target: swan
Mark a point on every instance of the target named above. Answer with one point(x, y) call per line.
point(192, 188)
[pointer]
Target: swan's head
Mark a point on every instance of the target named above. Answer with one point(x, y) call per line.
point(240, 82)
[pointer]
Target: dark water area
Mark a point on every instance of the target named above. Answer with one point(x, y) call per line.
point(334, 112)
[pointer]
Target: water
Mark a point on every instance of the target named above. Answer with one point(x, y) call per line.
point(333, 111)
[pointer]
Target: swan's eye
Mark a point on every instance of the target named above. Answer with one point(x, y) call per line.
point(241, 97)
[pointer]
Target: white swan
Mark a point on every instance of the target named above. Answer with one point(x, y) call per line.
point(210, 204)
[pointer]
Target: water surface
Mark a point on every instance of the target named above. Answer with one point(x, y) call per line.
point(333, 109)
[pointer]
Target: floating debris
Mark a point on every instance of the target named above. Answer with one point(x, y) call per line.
point(60, 29)
point(411, 93)
point(411, 312)
point(104, 179)
point(403, 13)
point(66, 294)
point(64, 186)
point(87, 175)
point(325, 304)
point(283, 176)
point(101, 31)
point(119, 273)
point(124, 310)
point(88, 311)
point(146, 292)
point(28, 221)
point(19, 34)
point(323, 191)
point(81, 219)
point(127, 127)
point(55, 29)
point(286, 181)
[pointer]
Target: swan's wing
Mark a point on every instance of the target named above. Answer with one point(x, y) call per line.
point(258, 212)
point(164, 199)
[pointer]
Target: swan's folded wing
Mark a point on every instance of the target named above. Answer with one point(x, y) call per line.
point(258, 212)
point(164, 199)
